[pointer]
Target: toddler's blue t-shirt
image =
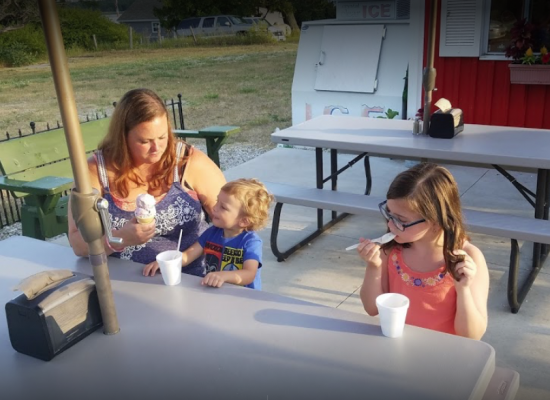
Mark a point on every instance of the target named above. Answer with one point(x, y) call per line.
point(221, 254)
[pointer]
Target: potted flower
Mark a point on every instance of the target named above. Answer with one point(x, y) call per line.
point(527, 67)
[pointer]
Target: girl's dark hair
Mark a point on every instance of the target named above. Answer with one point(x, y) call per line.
point(432, 192)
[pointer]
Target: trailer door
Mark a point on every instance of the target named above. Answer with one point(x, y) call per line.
point(349, 56)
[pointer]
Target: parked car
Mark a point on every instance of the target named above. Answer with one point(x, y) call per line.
point(278, 32)
point(214, 25)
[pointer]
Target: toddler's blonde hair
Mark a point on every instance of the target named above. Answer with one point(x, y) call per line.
point(254, 198)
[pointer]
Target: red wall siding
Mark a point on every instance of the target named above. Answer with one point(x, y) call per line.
point(483, 91)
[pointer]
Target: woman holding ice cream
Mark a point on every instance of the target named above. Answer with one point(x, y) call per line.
point(140, 155)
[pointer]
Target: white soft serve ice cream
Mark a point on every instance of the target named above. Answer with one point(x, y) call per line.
point(145, 208)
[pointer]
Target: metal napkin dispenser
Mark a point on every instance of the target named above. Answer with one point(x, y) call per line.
point(446, 122)
point(54, 318)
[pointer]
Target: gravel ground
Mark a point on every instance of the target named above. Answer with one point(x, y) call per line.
point(231, 155)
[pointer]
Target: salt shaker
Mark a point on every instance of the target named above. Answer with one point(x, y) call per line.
point(416, 127)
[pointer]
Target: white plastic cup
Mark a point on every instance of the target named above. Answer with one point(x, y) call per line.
point(170, 262)
point(392, 310)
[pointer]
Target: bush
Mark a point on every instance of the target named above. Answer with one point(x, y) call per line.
point(27, 45)
point(235, 40)
point(17, 55)
point(22, 46)
point(78, 27)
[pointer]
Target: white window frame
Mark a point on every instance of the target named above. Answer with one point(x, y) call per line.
point(485, 55)
point(478, 49)
point(155, 26)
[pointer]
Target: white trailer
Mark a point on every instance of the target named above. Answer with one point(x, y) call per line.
point(356, 64)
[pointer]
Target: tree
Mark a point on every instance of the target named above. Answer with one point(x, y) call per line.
point(173, 11)
point(311, 10)
point(297, 11)
point(285, 7)
point(15, 14)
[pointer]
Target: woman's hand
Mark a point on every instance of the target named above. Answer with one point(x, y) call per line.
point(134, 233)
point(370, 253)
point(151, 269)
point(465, 270)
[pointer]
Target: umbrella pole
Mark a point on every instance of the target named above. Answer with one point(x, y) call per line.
point(83, 197)
point(428, 76)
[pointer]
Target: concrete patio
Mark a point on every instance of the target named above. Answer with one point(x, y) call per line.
point(325, 273)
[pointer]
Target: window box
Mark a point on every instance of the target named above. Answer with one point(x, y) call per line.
point(529, 74)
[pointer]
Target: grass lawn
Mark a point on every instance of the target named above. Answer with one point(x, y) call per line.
point(249, 86)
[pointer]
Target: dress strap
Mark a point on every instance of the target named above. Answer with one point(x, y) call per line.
point(179, 146)
point(189, 150)
point(100, 161)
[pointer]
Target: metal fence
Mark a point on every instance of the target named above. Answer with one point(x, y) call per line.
point(10, 207)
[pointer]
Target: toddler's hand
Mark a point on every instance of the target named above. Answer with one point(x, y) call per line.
point(214, 279)
point(465, 270)
point(151, 269)
point(369, 252)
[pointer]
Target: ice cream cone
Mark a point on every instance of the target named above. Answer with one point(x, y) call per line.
point(145, 220)
point(145, 208)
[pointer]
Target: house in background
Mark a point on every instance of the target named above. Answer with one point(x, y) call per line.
point(112, 16)
point(472, 71)
point(141, 18)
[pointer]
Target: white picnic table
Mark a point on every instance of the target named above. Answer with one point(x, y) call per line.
point(190, 341)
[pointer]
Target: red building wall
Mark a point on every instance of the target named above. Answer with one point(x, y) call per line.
point(483, 91)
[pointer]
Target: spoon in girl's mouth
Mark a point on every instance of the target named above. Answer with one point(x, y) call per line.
point(388, 237)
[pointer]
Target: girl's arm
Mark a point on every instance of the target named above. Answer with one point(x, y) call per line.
point(241, 277)
point(472, 292)
point(375, 281)
point(205, 178)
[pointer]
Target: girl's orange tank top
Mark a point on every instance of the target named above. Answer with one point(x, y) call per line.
point(432, 294)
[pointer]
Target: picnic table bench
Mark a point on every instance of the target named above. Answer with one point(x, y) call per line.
point(485, 222)
point(37, 168)
point(499, 147)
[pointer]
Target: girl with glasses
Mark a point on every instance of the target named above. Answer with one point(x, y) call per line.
point(430, 260)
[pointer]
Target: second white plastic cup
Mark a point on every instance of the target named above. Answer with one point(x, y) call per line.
point(392, 310)
point(170, 266)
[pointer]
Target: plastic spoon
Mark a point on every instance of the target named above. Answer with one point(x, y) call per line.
point(388, 237)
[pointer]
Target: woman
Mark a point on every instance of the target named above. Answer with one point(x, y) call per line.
point(140, 154)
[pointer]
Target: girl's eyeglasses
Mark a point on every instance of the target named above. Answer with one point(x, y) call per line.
point(390, 217)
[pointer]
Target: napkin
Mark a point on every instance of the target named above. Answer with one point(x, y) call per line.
point(38, 283)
